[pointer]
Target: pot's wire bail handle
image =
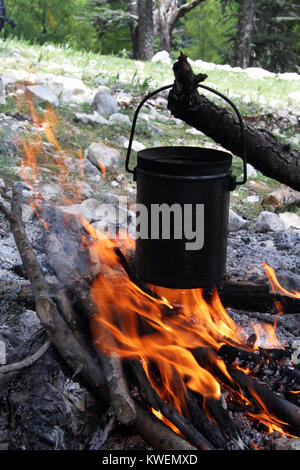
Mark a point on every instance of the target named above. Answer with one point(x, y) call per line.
point(241, 123)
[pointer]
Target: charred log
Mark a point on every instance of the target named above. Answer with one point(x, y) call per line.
point(282, 409)
point(255, 297)
point(264, 151)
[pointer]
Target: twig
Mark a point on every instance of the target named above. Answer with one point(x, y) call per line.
point(28, 361)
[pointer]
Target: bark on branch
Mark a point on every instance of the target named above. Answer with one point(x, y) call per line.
point(264, 151)
point(81, 360)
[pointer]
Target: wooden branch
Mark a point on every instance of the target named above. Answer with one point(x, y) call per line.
point(80, 360)
point(255, 297)
point(264, 151)
point(120, 400)
point(182, 10)
point(28, 361)
point(282, 409)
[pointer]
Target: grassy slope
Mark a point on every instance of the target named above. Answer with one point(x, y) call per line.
point(261, 98)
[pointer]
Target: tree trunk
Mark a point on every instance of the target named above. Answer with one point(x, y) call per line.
point(145, 30)
point(245, 25)
point(133, 9)
point(264, 151)
point(168, 13)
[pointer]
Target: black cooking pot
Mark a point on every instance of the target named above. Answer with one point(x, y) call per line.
point(182, 211)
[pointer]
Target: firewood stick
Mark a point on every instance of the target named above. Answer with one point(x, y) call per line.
point(28, 361)
point(255, 297)
point(282, 409)
point(261, 362)
point(203, 424)
point(78, 359)
point(184, 426)
point(120, 400)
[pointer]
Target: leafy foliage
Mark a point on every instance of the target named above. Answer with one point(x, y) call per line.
point(45, 21)
point(207, 27)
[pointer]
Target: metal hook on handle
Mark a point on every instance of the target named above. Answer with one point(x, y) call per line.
point(241, 123)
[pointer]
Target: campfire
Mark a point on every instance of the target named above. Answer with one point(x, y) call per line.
point(173, 358)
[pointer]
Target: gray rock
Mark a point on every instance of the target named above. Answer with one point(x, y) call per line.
point(120, 119)
point(87, 209)
point(100, 81)
point(2, 352)
point(105, 104)
point(154, 129)
point(269, 222)
point(86, 190)
point(40, 94)
point(235, 222)
point(296, 351)
point(286, 444)
point(51, 191)
point(101, 154)
point(89, 168)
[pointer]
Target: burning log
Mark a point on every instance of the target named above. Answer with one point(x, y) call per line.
point(283, 410)
point(167, 411)
point(256, 297)
point(260, 362)
point(264, 151)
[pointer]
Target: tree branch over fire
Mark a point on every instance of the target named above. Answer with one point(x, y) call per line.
point(264, 151)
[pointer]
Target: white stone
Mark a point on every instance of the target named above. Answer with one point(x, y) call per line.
point(269, 222)
point(2, 352)
point(162, 56)
point(101, 154)
point(91, 118)
point(290, 220)
point(235, 222)
point(256, 72)
point(251, 171)
point(252, 199)
point(136, 146)
point(40, 94)
point(294, 98)
point(289, 76)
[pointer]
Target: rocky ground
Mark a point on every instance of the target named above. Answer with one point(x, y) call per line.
point(91, 125)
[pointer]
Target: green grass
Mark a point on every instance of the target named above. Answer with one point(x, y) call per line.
point(25, 60)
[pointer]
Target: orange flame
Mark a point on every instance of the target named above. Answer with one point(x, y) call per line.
point(162, 330)
point(275, 285)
